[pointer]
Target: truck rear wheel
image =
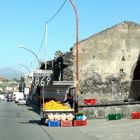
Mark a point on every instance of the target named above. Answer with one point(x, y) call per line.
point(43, 121)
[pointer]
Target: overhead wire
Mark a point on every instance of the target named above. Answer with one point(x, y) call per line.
point(56, 12)
point(49, 22)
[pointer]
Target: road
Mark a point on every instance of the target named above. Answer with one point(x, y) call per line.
point(22, 123)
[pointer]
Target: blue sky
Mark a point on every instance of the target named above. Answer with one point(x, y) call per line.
point(22, 22)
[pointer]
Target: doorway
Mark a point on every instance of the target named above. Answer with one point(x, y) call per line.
point(135, 84)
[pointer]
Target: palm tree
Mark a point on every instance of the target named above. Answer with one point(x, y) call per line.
point(58, 53)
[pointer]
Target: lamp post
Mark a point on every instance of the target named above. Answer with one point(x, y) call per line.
point(24, 67)
point(77, 53)
point(33, 54)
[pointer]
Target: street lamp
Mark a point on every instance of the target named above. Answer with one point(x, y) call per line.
point(77, 53)
point(24, 67)
point(32, 53)
point(46, 39)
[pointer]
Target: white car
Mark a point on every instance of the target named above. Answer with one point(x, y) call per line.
point(21, 102)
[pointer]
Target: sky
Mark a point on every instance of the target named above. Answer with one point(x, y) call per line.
point(23, 23)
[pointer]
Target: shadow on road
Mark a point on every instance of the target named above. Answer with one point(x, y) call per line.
point(35, 109)
point(32, 122)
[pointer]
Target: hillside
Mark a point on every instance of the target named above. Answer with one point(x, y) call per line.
point(10, 73)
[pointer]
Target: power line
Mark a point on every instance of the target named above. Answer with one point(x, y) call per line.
point(56, 12)
point(49, 22)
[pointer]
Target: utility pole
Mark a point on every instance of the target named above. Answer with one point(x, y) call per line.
point(77, 55)
point(46, 44)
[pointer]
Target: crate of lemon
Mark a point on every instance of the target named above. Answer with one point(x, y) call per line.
point(55, 106)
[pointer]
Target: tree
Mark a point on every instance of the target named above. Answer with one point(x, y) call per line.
point(58, 53)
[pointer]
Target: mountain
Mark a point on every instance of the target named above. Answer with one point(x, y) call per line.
point(10, 73)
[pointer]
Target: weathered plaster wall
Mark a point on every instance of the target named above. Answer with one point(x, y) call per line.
point(107, 62)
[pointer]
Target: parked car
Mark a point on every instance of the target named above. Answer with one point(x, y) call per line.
point(2, 97)
point(22, 102)
point(9, 99)
point(18, 96)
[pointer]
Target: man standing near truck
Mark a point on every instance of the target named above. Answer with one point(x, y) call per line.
point(69, 100)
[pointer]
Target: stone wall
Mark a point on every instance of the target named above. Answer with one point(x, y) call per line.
point(102, 112)
point(103, 92)
point(107, 62)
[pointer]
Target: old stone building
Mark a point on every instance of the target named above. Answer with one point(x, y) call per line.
point(109, 64)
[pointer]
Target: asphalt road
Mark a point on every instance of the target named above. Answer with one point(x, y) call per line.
point(22, 123)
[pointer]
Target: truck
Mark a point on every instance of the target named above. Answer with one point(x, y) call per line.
point(52, 90)
point(57, 93)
